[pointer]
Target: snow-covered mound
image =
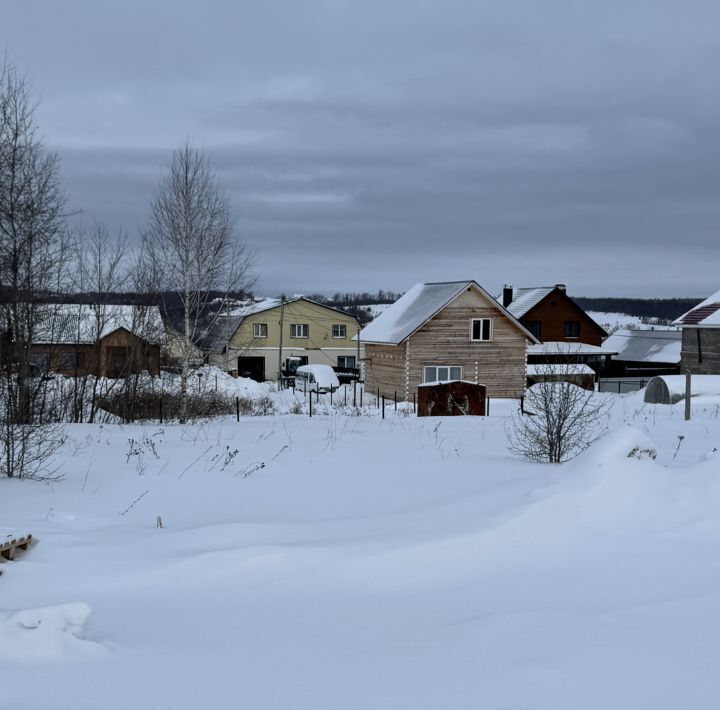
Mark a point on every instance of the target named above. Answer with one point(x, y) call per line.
point(52, 633)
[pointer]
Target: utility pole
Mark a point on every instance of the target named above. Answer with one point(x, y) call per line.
point(357, 360)
point(280, 346)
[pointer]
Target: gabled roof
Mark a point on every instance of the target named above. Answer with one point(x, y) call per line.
point(85, 324)
point(526, 298)
point(419, 305)
point(223, 326)
point(646, 345)
point(706, 313)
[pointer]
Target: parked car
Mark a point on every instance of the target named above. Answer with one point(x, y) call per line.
point(316, 378)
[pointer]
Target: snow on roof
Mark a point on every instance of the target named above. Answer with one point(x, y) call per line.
point(646, 345)
point(559, 369)
point(562, 348)
point(250, 307)
point(706, 313)
point(410, 311)
point(526, 298)
point(83, 324)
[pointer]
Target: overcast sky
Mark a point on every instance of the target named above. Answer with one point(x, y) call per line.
point(372, 145)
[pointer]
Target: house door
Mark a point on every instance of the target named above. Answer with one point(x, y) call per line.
point(252, 367)
point(117, 362)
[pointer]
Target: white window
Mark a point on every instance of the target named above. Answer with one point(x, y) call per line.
point(481, 329)
point(259, 330)
point(299, 330)
point(442, 373)
point(339, 330)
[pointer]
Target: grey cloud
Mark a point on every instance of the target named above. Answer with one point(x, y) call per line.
point(370, 145)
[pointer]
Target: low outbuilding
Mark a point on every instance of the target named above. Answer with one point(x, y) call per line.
point(670, 389)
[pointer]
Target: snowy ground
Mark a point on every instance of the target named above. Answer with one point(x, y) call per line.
point(347, 563)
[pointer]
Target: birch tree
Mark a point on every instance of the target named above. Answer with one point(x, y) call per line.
point(33, 251)
point(190, 247)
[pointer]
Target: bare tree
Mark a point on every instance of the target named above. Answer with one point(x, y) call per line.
point(101, 260)
point(190, 247)
point(561, 419)
point(33, 250)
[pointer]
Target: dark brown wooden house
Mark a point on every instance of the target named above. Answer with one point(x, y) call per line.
point(551, 315)
point(106, 341)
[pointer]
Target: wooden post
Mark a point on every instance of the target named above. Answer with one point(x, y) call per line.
point(487, 406)
point(396, 400)
point(688, 394)
point(237, 408)
point(383, 406)
point(522, 405)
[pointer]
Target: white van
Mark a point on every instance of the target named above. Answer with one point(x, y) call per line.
point(316, 378)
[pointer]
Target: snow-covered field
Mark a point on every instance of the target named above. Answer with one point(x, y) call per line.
point(615, 321)
point(345, 562)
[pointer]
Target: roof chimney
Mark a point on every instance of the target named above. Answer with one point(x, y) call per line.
point(561, 287)
point(507, 295)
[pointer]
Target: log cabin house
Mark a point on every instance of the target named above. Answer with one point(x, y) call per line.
point(76, 340)
point(440, 332)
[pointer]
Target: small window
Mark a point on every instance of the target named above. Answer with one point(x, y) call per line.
point(346, 361)
point(260, 330)
point(70, 360)
point(534, 326)
point(339, 330)
point(481, 329)
point(442, 373)
point(40, 362)
point(299, 330)
point(572, 328)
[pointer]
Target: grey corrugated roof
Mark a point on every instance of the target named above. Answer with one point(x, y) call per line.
point(526, 298)
point(67, 323)
point(646, 345)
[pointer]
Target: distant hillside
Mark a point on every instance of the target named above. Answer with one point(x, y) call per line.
point(665, 309)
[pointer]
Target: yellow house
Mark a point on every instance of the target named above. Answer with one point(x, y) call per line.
point(248, 338)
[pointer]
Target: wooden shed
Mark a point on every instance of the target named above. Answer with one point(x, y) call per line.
point(448, 399)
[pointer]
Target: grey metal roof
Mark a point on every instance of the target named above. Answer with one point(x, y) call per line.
point(78, 324)
point(646, 345)
point(526, 298)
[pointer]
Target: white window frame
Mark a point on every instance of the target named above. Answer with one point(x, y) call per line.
point(304, 327)
point(438, 367)
point(258, 328)
point(481, 339)
point(342, 326)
